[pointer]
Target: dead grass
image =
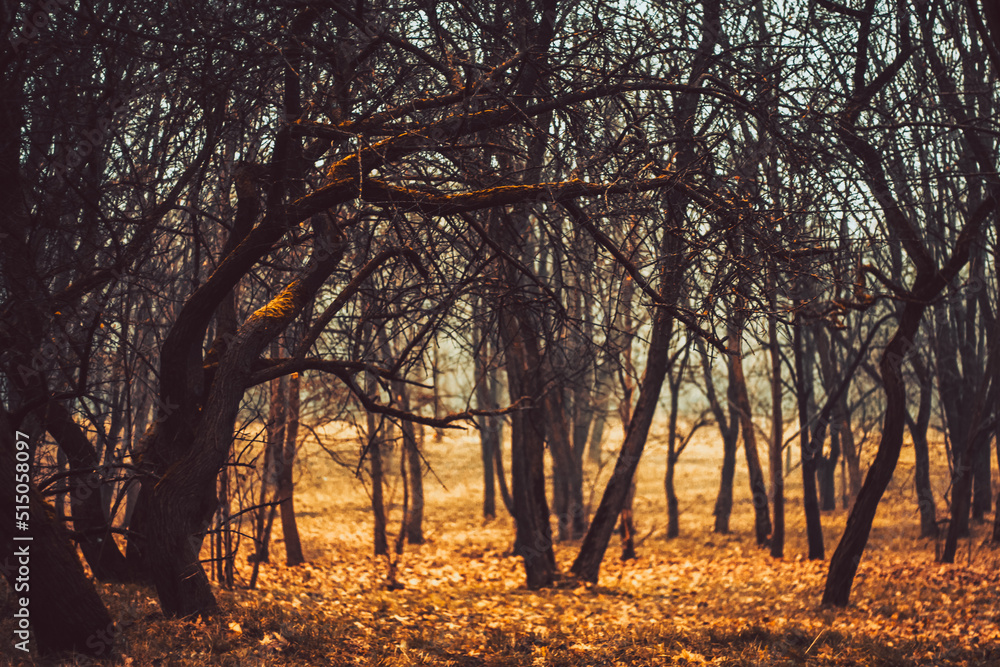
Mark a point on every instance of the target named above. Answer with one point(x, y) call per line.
point(701, 598)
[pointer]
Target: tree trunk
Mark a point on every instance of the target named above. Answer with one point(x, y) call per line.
point(961, 496)
point(729, 429)
point(413, 522)
point(415, 478)
point(567, 479)
point(673, 453)
point(531, 512)
point(849, 449)
point(601, 402)
point(626, 525)
point(508, 501)
point(485, 400)
point(724, 500)
point(982, 492)
point(374, 455)
point(847, 556)
point(90, 521)
point(810, 448)
point(983, 405)
point(286, 480)
point(588, 562)
point(921, 453)
point(273, 457)
point(169, 524)
point(673, 514)
point(826, 468)
point(758, 488)
point(777, 434)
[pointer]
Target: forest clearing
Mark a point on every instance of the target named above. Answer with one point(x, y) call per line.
point(701, 598)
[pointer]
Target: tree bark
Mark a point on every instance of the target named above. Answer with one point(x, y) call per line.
point(847, 556)
point(758, 488)
point(286, 479)
point(588, 562)
point(810, 449)
point(921, 452)
point(729, 429)
point(90, 521)
point(531, 513)
point(983, 405)
point(777, 432)
point(413, 522)
point(488, 425)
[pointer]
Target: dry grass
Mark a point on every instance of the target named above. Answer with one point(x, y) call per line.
point(701, 598)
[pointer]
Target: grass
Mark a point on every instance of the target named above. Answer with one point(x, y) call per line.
point(702, 598)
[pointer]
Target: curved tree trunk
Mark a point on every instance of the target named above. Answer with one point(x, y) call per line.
point(921, 452)
point(90, 521)
point(847, 556)
point(588, 562)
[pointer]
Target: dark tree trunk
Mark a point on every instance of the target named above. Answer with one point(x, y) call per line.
point(286, 480)
point(921, 453)
point(724, 500)
point(962, 479)
point(192, 438)
point(90, 521)
point(374, 454)
point(849, 449)
point(826, 469)
point(487, 444)
point(626, 525)
point(601, 402)
point(531, 512)
point(567, 477)
point(588, 562)
point(273, 462)
point(169, 526)
point(758, 487)
point(415, 477)
point(847, 556)
point(413, 521)
point(508, 501)
point(489, 436)
point(673, 513)
point(810, 447)
point(729, 429)
point(777, 435)
point(673, 449)
point(534, 535)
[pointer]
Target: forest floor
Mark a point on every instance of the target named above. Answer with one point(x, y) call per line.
point(701, 598)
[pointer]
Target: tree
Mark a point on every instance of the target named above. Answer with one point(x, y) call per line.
point(931, 275)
